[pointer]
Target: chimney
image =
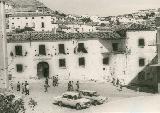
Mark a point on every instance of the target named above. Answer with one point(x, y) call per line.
point(3, 48)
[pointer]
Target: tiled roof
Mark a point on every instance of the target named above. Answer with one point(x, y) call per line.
point(29, 14)
point(132, 26)
point(49, 36)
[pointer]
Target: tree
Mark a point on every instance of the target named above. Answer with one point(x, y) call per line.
point(86, 20)
point(8, 104)
point(23, 30)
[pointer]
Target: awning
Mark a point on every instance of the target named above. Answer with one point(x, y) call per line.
point(155, 65)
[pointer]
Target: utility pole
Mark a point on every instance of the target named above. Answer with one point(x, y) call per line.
point(3, 48)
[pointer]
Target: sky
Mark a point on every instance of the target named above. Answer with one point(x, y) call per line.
point(100, 7)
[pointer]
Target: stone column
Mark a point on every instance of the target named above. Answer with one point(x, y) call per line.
point(3, 48)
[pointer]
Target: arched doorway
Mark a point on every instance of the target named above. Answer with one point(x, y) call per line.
point(42, 69)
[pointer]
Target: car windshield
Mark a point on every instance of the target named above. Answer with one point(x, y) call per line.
point(95, 94)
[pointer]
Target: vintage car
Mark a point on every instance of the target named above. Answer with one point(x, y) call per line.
point(72, 99)
point(93, 96)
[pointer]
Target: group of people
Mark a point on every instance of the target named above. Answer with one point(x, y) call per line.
point(24, 88)
point(54, 82)
point(117, 83)
point(71, 86)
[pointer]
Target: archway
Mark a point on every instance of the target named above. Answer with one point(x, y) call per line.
point(42, 70)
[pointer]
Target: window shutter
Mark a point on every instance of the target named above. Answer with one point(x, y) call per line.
point(42, 50)
point(18, 50)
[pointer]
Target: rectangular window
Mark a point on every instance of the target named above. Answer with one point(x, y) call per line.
point(81, 48)
point(42, 24)
point(115, 46)
point(42, 50)
point(106, 61)
point(18, 50)
point(141, 42)
point(141, 62)
point(62, 63)
point(61, 49)
point(82, 61)
point(19, 68)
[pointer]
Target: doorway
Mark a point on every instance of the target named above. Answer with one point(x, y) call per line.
point(43, 70)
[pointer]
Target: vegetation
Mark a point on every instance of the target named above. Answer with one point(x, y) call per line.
point(23, 30)
point(8, 104)
point(86, 20)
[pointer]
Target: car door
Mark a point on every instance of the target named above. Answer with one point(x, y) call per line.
point(65, 99)
point(70, 100)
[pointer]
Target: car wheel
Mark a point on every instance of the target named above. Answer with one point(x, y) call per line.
point(95, 102)
point(60, 103)
point(78, 106)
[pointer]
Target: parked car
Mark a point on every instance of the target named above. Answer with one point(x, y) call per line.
point(93, 96)
point(72, 99)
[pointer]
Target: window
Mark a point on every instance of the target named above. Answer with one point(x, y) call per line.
point(32, 17)
point(61, 49)
point(141, 42)
point(26, 24)
point(42, 24)
point(33, 25)
point(62, 63)
point(41, 17)
point(82, 61)
point(19, 68)
point(141, 62)
point(18, 50)
point(81, 48)
point(115, 46)
point(106, 60)
point(26, 17)
point(141, 76)
point(42, 50)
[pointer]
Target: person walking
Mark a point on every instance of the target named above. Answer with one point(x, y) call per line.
point(72, 88)
point(18, 86)
point(23, 88)
point(27, 89)
point(77, 84)
point(45, 88)
point(69, 86)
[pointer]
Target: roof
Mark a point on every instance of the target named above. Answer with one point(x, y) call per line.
point(71, 93)
point(50, 36)
point(88, 91)
point(29, 14)
point(132, 26)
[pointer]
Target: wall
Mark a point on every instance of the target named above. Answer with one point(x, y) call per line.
point(21, 21)
point(94, 68)
point(148, 52)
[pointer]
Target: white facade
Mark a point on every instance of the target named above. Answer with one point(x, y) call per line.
point(123, 64)
point(37, 22)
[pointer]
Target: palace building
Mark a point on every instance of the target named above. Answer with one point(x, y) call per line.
point(124, 54)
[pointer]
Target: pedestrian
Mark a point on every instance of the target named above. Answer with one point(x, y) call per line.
point(45, 88)
point(18, 86)
point(23, 88)
point(27, 89)
point(46, 81)
point(11, 86)
point(72, 88)
point(69, 86)
point(117, 82)
point(77, 84)
point(53, 81)
point(56, 79)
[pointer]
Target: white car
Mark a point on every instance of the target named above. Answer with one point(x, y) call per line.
point(93, 96)
point(72, 99)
